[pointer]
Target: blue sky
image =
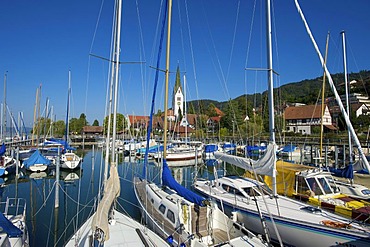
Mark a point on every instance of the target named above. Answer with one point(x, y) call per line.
point(212, 42)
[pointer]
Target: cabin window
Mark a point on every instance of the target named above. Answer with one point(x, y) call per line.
point(315, 188)
point(325, 185)
point(162, 208)
point(171, 216)
point(152, 200)
point(365, 192)
point(302, 187)
point(250, 192)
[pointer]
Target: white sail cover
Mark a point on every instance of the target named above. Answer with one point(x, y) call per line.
point(263, 166)
point(111, 192)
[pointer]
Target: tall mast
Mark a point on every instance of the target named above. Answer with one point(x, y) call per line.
point(167, 77)
point(323, 97)
point(347, 93)
point(270, 85)
point(334, 90)
point(3, 133)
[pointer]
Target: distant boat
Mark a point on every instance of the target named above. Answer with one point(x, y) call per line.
point(37, 162)
point(7, 163)
point(13, 226)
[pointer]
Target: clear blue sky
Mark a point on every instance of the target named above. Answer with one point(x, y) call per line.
point(41, 40)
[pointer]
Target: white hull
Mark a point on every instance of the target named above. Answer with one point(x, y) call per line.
point(17, 217)
point(70, 161)
point(191, 219)
point(296, 225)
point(180, 157)
point(37, 168)
point(124, 231)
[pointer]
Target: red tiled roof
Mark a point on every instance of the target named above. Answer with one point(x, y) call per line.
point(303, 112)
point(138, 119)
point(219, 112)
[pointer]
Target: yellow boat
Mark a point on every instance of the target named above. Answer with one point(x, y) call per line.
point(312, 185)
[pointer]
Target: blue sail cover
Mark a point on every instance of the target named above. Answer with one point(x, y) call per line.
point(168, 180)
point(36, 158)
point(9, 228)
point(2, 149)
point(289, 148)
point(343, 173)
point(210, 148)
point(53, 141)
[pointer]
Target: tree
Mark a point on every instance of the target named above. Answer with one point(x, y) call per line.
point(59, 128)
point(211, 110)
point(121, 123)
point(95, 123)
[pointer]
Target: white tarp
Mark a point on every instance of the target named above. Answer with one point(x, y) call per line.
point(263, 166)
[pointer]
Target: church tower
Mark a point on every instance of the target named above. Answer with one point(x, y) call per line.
point(178, 96)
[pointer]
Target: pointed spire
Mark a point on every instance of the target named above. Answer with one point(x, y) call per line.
point(178, 80)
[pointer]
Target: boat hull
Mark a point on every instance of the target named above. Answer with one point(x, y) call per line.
point(292, 231)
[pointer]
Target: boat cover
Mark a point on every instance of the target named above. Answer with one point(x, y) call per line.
point(8, 227)
point(2, 149)
point(168, 180)
point(36, 158)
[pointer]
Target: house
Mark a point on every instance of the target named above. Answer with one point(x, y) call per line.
point(92, 131)
point(300, 119)
point(138, 123)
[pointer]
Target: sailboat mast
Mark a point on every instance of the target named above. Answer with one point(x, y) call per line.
point(3, 127)
point(323, 97)
point(334, 90)
point(270, 86)
point(116, 77)
point(270, 73)
point(347, 93)
point(68, 102)
point(167, 78)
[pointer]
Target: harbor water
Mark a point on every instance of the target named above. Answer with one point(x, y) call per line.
point(78, 193)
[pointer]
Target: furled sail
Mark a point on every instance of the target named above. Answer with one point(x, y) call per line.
point(111, 192)
point(263, 166)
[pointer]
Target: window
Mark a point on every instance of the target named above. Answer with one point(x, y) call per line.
point(162, 208)
point(324, 184)
point(315, 188)
point(171, 216)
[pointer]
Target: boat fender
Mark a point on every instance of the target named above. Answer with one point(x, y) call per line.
point(336, 224)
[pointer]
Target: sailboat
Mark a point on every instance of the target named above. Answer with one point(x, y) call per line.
point(107, 226)
point(179, 215)
point(288, 221)
point(7, 163)
point(69, 159)
point(14, 232)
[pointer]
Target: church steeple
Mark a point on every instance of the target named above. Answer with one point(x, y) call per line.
point(178, 97)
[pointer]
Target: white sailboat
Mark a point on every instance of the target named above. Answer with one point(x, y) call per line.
point(178, 214)
point(69, 159)
point(14, 231)
point(107, 226)
point(288, 221)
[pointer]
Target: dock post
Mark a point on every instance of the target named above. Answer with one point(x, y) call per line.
point(57, 180)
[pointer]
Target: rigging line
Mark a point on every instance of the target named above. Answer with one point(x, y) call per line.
point(233, 41)
point(73, 200)
point(182, 36)
point(89, 59)
point(357, 68)
point(247, 57)
point(43, 204)
point(142, 54)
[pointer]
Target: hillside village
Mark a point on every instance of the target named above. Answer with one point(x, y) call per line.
point(211, 119)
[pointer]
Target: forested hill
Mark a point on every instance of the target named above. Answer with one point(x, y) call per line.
point(305, 91)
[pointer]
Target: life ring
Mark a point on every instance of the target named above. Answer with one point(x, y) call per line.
point(335, 224)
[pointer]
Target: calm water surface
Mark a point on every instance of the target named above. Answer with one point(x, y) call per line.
point(78, 190)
